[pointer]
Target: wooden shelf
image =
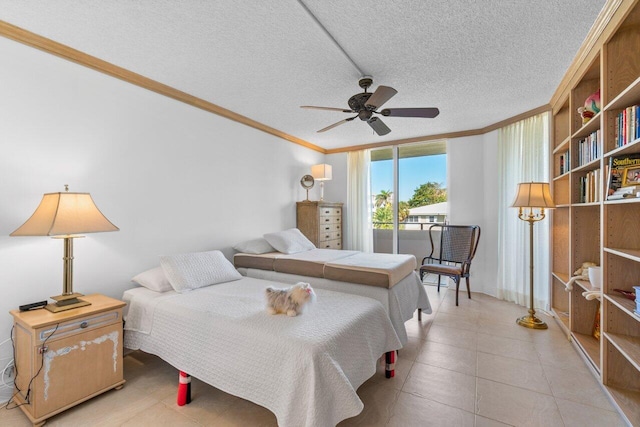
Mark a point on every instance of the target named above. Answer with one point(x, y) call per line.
point(586, 129)
point(578, 205)
point(630, 200)
point(629, 403)
point(592, 165)
point(562, 318)
point(563, 176)
point(632, 254)
point(629, 96)
point(628, 346)
point(624, 304)
point(586, 285)
point(562, 146)
point(632, 147)
point(563, 277)
point(590, 346)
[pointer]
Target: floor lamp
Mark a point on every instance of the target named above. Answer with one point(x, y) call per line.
point(532, 199)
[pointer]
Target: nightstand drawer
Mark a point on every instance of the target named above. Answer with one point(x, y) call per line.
point(78, 326)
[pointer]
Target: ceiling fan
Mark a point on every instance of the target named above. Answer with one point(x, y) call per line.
point(366, 104)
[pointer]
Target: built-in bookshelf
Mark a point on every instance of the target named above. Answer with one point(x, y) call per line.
point(586, 226)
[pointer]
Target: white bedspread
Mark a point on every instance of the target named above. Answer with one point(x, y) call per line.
point(400, 302)
point(305, 369)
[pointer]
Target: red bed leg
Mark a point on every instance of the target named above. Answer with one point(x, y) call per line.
point(390, 366)
point(184, 389)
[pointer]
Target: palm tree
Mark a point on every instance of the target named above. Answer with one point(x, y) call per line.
point(383, 198)
point(403, 211)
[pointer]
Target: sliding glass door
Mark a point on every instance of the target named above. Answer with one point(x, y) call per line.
point(409, 190)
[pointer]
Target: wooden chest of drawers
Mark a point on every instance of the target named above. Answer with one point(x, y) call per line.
point(321, 222)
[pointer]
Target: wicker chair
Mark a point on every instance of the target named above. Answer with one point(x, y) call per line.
point(458, 244)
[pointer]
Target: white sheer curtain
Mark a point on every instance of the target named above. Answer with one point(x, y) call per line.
point(359, 228)
point(523, 156)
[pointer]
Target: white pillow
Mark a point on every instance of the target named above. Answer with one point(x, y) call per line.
point(289, 241)
point(153, 279)
point(255, 246)
point(198, 269)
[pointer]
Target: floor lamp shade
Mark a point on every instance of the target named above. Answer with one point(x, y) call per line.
point(533, 195)
point(322, 172)
point(531, 201)
point(66, 216)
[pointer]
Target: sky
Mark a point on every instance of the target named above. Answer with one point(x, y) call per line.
point(414, 172)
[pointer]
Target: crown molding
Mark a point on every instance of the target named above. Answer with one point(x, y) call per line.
point(58, 49)
point(460, 134)
point(36, 41)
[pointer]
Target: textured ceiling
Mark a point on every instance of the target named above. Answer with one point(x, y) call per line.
point(480, 62)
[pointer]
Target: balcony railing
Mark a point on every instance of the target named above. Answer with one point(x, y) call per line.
point(406, 225)
point(413, 241)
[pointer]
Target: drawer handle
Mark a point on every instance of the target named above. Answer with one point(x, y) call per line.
point(327, 228)
point(326, 220)
point(326, 236)
point(84, 324)
point(327, 212)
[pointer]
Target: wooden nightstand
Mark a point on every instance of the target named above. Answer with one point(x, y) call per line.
point(82, 351)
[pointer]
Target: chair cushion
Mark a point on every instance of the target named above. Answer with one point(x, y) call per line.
point(452, 270)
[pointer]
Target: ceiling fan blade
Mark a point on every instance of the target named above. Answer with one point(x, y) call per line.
point(428, 113)
point(378, 126)
point(380, 96)
point(337, 124)
point(325, 108)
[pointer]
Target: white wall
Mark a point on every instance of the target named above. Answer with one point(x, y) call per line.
point(172, 177)
point(468, 195)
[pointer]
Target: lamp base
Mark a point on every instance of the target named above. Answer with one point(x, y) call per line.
point(66, 302)
point(532, 322)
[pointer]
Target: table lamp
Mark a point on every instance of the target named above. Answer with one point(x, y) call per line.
point(66, 216)
point(321, 173)
point(531, 201)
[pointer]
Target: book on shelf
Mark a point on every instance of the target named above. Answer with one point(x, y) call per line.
point(565, 164)
point(589, 185)
point(623, 176)
point(589, 148)
point(627, 125)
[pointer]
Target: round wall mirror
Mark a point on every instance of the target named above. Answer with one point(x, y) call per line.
point(307, 182)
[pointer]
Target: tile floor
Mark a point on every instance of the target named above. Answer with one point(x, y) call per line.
point(463, 366)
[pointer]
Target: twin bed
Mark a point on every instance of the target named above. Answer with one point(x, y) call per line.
point(305, 369)
point(390, 279)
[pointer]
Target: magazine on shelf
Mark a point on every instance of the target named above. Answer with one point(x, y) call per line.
point(623, 176)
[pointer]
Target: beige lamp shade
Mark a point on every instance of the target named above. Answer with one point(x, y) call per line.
point(321, 172)
point(533, 195)
point(65, 214)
